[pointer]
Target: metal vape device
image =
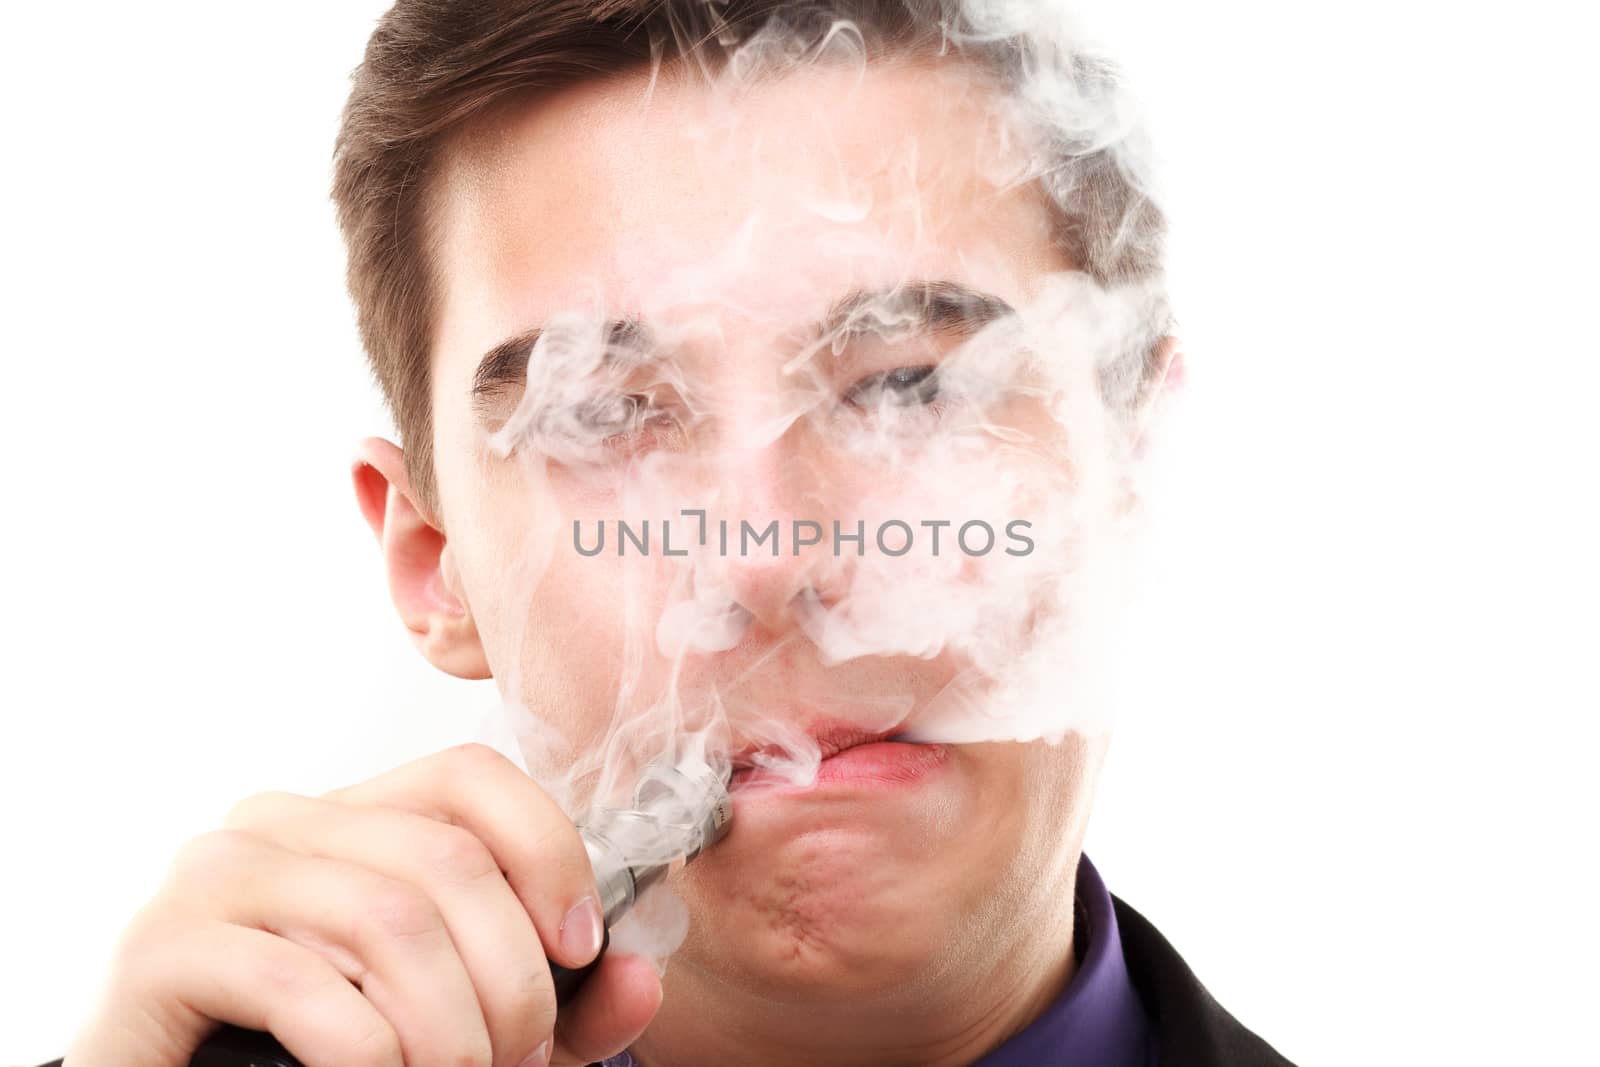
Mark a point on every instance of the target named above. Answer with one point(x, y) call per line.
point(686, 804)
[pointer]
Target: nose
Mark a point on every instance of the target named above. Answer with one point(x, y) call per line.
point(779, 557)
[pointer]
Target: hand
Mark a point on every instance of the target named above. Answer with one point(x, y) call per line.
point(407, 920)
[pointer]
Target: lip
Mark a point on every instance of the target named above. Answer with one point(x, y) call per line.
point(850, 756)
point(831, 737)
point(882, 763)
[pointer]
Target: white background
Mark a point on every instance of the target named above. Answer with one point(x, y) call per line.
point(1352, 782)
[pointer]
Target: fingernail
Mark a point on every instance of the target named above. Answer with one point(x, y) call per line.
point(539, 1057)
point(581, 932)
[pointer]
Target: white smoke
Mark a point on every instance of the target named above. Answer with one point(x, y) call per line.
point(1023, 429)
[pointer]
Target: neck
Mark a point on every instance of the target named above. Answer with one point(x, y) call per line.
point(947, 1019)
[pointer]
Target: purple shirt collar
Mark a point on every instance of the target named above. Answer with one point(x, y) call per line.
point(1097, 1021)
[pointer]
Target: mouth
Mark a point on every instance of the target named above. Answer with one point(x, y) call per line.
point(828, 752)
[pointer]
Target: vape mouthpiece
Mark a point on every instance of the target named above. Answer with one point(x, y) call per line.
point(677, 811)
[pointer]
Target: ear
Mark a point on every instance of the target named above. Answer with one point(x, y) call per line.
point(423, 581)
point(1167, 375)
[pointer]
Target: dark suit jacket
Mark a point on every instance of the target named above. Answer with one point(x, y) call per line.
point(1192, 1029)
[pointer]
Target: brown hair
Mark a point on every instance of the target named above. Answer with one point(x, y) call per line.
point(432, 65)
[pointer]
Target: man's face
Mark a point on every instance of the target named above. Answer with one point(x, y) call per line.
point(714, 244)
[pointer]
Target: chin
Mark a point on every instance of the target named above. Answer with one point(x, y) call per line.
point(817, 918)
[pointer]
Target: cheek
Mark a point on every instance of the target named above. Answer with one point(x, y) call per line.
point(1059, 781)
point(1012, 797)
point(546, 616)
point(569, 644)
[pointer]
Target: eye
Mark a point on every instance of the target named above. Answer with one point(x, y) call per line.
point(901, 387)
point(623, 424)
point(613, 413)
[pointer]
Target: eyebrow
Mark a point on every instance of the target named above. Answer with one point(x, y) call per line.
point(941, 306)
point(506, 364)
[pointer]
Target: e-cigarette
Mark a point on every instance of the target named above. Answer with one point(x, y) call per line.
point(677, 811)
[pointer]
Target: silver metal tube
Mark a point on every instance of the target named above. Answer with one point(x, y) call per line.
point(663, 802)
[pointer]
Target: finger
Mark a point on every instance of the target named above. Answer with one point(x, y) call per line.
point(220, 972)
point(488, 925)
point(531, 838)
point(383, 934)
point(613, 1009)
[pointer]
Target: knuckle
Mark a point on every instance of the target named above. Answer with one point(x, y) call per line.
point(292, 975)
point(398, 911)
point(564, 860)
point(473, 759)
point(534, 1001)
point(376, 1045)
point(135, 958)
point(145, 926)
point(472, 1052)
point(201, 855)
point(458, 856)
point(255, 809)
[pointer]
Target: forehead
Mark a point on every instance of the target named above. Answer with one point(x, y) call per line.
point(667, 196)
